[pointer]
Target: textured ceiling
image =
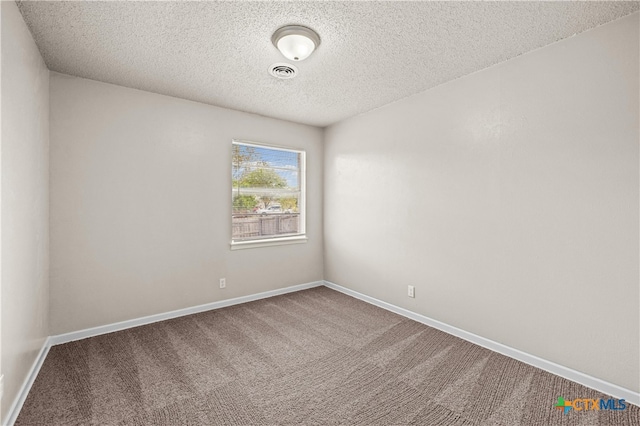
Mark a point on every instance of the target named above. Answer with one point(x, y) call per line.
point(371, 53)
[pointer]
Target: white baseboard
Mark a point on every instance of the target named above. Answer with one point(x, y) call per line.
point(123, 325)
point(567, 373)
point(96, 331)
point(18, 402)
point(557, 369)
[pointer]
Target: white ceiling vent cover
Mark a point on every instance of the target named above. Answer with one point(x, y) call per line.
point(283, 71)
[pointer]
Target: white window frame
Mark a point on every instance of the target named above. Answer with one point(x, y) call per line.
point(301, 236)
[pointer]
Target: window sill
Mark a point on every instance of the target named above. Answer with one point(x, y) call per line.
point(240, 245)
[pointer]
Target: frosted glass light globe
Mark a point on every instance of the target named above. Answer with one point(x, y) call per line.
point(295, 42)
point(296, 47)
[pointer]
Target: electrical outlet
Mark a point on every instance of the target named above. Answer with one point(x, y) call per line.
point(411, 291)
point(223, 283)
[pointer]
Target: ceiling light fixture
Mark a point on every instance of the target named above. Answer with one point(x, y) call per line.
point(295, 42)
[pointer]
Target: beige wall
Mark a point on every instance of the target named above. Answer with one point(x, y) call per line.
point(141, 205)
point(509, 198)
point(1, 370)
point(25, 202)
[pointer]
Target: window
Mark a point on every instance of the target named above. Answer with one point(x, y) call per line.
point(267, 194)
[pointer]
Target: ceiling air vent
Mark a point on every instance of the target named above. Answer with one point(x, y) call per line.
point(283, 71)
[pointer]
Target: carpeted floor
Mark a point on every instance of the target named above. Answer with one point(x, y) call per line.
point(312, 357)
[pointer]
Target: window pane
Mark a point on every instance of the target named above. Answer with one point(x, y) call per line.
point(266, 192)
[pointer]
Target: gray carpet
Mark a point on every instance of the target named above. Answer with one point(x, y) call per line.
point(311, 357)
